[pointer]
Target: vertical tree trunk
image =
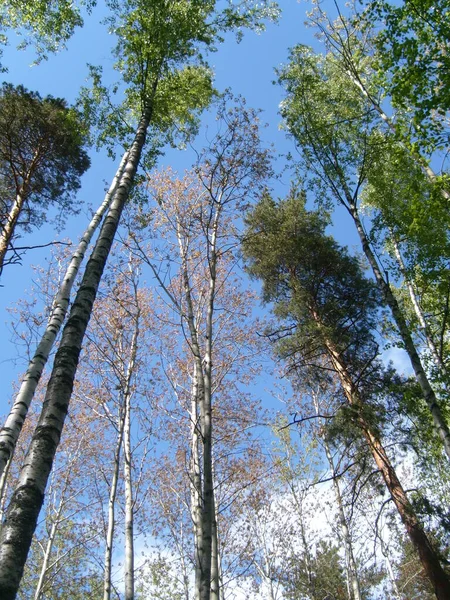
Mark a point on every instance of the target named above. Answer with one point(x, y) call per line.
point(127, 467)
point(215, 559)
point(390, 570)
point(28, 497)
point(7, 230)
point(111, 514)
point(195, 481)
point(9, 434)
point(354, 591)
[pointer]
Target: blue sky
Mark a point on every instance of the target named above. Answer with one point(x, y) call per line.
point(247, 68)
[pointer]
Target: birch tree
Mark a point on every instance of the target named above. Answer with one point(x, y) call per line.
point(151, 69)
point(335, 135)
point(198, 217)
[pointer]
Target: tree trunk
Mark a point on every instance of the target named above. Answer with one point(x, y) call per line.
point(439, 421)
point(354, 592)
point(356, 80)
point(419, 313)
point(10, 432)
point(195, 481)
point(28, 497)
point(7, 229)
point(206, 414)
point(428, 556)
point(127, 467)
point(111, 514)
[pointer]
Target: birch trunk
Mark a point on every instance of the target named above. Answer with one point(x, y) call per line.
point(428, 556)
point(356, 80)
point(28, 497)
point(196, 482)
point(128, 475)
point(354, 592)
point(111, 514)
point(417, 309)
point(208, 484)
point(9, 434)
point(353, 589)
point(390, 570)
point(47, 554)
point(429, 396)
point(215, 562)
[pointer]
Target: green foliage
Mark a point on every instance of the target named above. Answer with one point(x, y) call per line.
point(324, 578)
point(329, 121)
point(317, 285)
point(45, 24)
point(41, 155)
point(160, 57)
point(413, 62)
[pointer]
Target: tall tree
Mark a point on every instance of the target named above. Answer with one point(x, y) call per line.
point(9, 434)
point(42, 158)
point(338, 141)
point(159, 50)
point(332, 309)
point(198, 216)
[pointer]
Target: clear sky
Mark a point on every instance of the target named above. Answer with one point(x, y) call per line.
point(247, 68)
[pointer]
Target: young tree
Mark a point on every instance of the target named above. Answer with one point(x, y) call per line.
point(41, 161)
point(332, 309)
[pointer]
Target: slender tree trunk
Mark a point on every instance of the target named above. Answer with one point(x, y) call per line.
point(439, 421)
point(7, 230)
point(390, 570)
point(28, 497)
point(353, 588)
point(208, 483)
point(47, 554)
point(129, 516)
point(427, 554)
point(196, 482)
point(215, 562)
point(354, 591)
point(111, 514)
point(9, 434)
point(417, 309)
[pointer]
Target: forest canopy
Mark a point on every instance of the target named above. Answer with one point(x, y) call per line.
point(229, 363)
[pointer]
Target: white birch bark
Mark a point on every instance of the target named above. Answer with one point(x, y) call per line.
point(417, 309)
point(195, 481)
point(9, 434)
point(127, 468)
point(7, 230)
point(353, 588)
point(109, 541)
point(354, 591)
point(357, 81)
point(27, 499)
